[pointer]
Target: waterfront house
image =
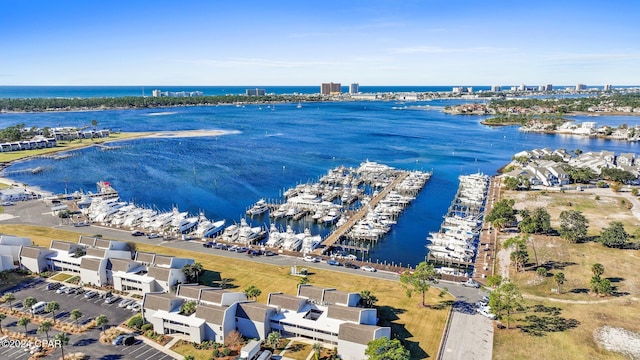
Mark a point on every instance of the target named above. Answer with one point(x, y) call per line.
point(149, 272)
point(35, 258)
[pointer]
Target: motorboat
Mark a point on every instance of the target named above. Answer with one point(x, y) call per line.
point(258, 208)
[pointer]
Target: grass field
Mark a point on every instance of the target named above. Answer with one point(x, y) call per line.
point(575, 302)
point(61, 277)
point(420, 328)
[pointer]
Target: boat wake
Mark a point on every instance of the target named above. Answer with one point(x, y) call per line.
point(163, 113)
point(272, 135)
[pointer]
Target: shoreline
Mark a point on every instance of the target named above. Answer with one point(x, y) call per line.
point(129, 136)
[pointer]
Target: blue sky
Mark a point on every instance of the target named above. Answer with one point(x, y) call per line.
point(373, 42)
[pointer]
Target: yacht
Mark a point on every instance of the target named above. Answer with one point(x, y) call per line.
point(258, 208)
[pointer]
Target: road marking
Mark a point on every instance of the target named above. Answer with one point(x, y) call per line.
point(138, 348)
point(150, 348)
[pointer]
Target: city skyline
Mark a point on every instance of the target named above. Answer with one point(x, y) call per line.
point(291, 43)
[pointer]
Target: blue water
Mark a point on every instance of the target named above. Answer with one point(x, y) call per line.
point(271, 150)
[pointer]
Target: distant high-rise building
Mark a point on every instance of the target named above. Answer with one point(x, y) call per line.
point(255, 92)
point(331, 89)
point(496, 88)
point(607, 87)
point(522, 87)
point(547, 87)
point(581, 87)
point(354, 88)
point(156, 93)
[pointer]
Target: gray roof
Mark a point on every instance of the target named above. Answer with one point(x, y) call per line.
point(344, 313)
point(87, 240)
point(159, 301)
point(253, 311)
point(285, 301)
point(105, 244)
point(159, 273)
point(333, 296)
point(121, 264)
point(145, 257)
point(191, 291)
point(311, 292)
point(61, 245)
point(356, 333)
point(90, 263)
point(32, 252)
point(96, 252)
point(212, 314)
point(212, 295)
point(163, 260)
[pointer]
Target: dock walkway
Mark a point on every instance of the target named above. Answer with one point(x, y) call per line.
point(330, 240)
point(487, 250)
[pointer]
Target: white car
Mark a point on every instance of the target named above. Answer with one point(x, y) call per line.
point(7, 203)
point(125, 302)
point(369, 268)
point(61, 290)
point(309, 258)
point(486, 311)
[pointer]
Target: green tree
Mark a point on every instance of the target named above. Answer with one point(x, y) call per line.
point(541, 271)
point(502, 213)
point(494, 281)
point(52, 307)
point(418, 280)
point(573, 226)
point(367, 299)
point(28, 303)
point(24, 321)
point(505, 300)
point(62, 339)
point(45, 327)
point(317, 349)
point(614, 236)
point(188, 307)
point(102, 321)
point(519, 254)
point(597, 269)
point(538, 222)
point(559, 279)
point(252, 292)
point(75, 315)
point(273, 339)
point(304, 280)
point(511, 183)
point(385, 349)
point(10, 298)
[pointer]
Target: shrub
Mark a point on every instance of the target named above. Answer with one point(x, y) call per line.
point(146, 327)
point(226, 351)
point(216, 353)
point(136, 322)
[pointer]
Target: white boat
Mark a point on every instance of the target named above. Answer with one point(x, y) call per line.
point(331, 217)
point(230, 233)
point(258, 208)
point(248, 234)
point(299, 106)
point(276, 238)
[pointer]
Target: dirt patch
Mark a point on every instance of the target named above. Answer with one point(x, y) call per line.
point(619, 340)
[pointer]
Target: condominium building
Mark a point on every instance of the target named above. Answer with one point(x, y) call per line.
point(255, 92)
point(354, 88)
point(331, 89)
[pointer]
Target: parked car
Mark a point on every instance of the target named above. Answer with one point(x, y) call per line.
point(242, 249)
point(334, 262)
point(253, 252)
point(369, 268)
point(309, 258)
point(124, 339)
point(471, 283)
point(486, 311)
point(61, 290)
point(125, 302)
point(270, 253)
point(135, 307)
point(350, 265)
point(7, 203)
point(53, 286)
point(111, 299)
point(90, 294)
point(208, 244)
point(153, 236)
point(137, 233)
point(80, 290)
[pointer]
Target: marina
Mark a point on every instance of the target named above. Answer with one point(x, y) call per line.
point(455, 245)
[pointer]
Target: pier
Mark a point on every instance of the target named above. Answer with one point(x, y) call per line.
point(485, 264)
point(330, 240)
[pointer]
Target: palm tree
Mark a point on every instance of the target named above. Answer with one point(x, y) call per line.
point(367, 298)
point(52, 307)
point(559, 279)
point(597, 269)
point(62, 339)
point(2, 317)
point(24, 321)
point(29, 302)
point(9, 297)
point(102, 321)
point(44, 327)
point(317, 348)
point(196, 270)
point(188, 308)
point(75, 315)
point(252, 292)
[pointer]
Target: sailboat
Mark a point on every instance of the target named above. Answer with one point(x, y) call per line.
point(299, 105)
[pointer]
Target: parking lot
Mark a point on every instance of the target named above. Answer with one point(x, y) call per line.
point(87, 342)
